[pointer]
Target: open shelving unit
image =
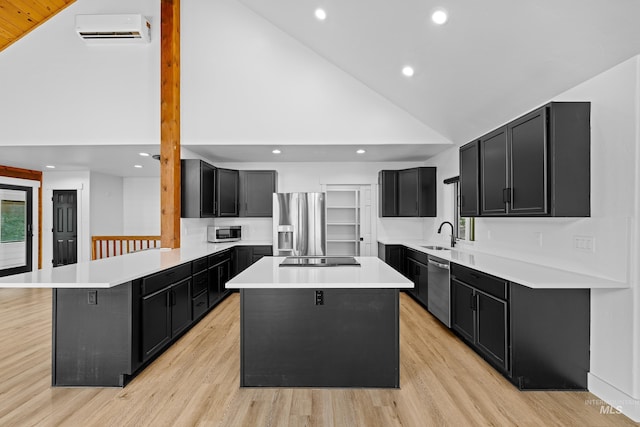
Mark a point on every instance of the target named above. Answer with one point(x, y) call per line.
point(343, 222)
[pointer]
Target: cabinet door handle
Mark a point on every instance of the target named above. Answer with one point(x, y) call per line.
point(506, 195)
point(474, 305)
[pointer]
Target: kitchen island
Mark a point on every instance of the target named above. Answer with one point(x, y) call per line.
point(319, 326)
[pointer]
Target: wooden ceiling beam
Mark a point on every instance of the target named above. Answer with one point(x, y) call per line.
point(170, 124)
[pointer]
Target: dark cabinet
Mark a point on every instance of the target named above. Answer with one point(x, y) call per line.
point(165, 307)
point(198, 180)
point(156, 323)
point(491, 331)
point(408, 192)
point(392, 255)
point(247, 255)
point(227, 192)
point(536, 165)
point(416, 270)
point(388, 193)
point(220, 271)
point(180, 305)
point(469, 179)
point(493, 179)
point(256, 192)
point(537, 338)
point(479, 313)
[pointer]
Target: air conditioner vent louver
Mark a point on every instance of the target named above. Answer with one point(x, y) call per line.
point(113, 28)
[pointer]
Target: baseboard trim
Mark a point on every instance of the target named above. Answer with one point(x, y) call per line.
point(611, 400)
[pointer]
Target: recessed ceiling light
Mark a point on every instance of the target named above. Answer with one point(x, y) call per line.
point(361, 151)
point(50, 167)
point(439, 16)
point(137, 166)
point(144, 154)
point(321, 15)
point(408, 71)
point(276, 151)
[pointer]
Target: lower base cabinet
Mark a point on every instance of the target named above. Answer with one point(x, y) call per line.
point(417, 270)
point(247, 255)
point(537, 338)
point(124, 328)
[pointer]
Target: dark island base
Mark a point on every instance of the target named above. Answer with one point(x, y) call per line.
point(319, 338)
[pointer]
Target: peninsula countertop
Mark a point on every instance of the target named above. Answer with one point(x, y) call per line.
point(113, 271)
point(267, 274)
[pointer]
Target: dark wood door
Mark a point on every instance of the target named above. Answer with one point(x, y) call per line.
point(65, 227)
point(180, 306)
point(528, 164)
point(469, 179)
point(462, 310)
point(493, 171)
point(388, 190)
point(491, 334)
point(156, 322)
point(256, 193)
point(408, 192)
point(227, 192)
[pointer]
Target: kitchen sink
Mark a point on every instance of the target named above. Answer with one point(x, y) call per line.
point(437, 248)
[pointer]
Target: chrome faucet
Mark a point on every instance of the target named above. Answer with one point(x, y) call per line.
point(453, 237)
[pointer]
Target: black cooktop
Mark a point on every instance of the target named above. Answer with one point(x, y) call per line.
point(319, 261)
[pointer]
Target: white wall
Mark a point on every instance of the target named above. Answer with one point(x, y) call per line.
point(77, 180)
point(250, 82)
point(77, 93)
point(614, 224)
point(106, 205)
point(141, 206)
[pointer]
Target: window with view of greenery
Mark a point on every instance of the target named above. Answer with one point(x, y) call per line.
point(12, 221)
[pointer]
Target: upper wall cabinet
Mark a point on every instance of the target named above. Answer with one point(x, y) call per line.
point(469, 179)
point(537, 165)
point(407, 192)
point(227, 192)
point(256, 192)
point(198, 189)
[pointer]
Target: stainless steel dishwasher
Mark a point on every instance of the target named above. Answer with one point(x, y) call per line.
point(439, 296)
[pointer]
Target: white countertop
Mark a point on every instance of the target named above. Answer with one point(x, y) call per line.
point(520, 272)
point(113, 271)
point(267, 273)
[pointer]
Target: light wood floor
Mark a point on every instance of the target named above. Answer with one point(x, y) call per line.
point(196, 382)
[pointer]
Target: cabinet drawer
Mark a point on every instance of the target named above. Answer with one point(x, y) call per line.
point(418, 256)
point(155, 282)
point(481, 281)
point(199, 265)
point(262, 250)
point(200, 283)
point(219, 257)
point(199, 305)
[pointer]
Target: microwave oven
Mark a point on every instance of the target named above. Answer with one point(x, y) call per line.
point(230, 233)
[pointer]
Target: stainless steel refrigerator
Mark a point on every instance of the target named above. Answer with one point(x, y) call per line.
point(299, 224)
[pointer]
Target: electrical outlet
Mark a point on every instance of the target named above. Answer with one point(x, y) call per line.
point(584, 243)
point(538, 238)
point(92, 298)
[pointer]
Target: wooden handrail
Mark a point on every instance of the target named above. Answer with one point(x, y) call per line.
point(108, 246)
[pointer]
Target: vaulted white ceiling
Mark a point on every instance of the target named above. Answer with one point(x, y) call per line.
point(259, 74)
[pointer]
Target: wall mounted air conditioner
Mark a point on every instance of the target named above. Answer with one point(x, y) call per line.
point(106, 29)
